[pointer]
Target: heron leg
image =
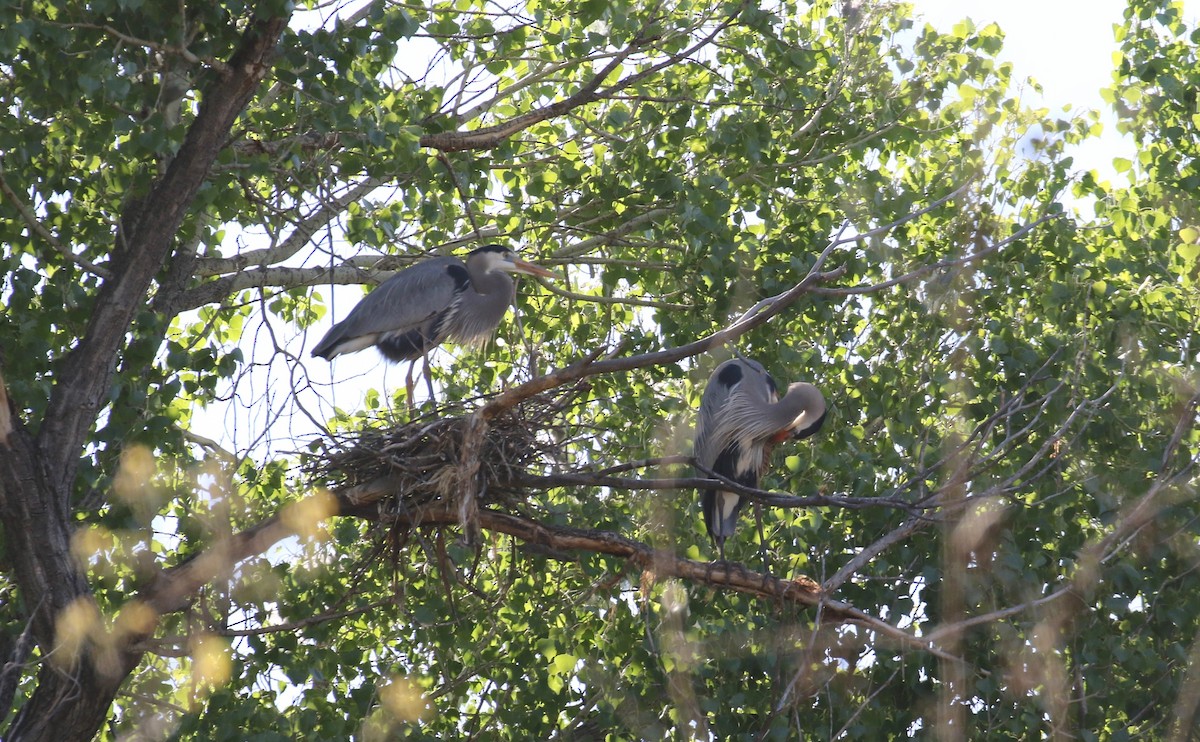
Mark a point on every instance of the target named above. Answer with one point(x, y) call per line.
point(408, 389)
point(428, 377)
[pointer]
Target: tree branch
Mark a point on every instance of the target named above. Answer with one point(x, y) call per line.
point(632, 301)
point(302, 233)
point(174, 588)
point(940, 265)
point(166, 49)
point(753, 317)
point(489, 136)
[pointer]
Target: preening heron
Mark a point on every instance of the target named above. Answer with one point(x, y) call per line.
point(742, 417)
point(435, 300)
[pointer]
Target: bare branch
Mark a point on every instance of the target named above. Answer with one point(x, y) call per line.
point(490, 136)
point(300, 236)
point(866, 555)
point(532, 78)
point(582, 246)
point(213, 292)
point(308, 621)
point(308, 143)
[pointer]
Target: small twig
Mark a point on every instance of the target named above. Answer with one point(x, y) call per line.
point(867, 554)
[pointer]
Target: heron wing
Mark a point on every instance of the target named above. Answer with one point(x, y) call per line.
point(406, 300)
point(707, 446)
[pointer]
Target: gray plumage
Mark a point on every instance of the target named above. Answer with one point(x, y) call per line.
point(741, 418)
point(428, 303)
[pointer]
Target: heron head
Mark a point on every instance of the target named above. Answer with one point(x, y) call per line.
point(810, 403)
point(500, 258)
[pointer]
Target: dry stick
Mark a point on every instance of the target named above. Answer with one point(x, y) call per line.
point(468, 476)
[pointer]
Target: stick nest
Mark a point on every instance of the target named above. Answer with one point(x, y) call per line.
point(421, 461)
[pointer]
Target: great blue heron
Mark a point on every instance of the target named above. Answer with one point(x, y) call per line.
point(741, 418)
point(426, 304)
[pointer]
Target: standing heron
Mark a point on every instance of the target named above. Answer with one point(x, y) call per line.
point(742, 417)
point(426, 304)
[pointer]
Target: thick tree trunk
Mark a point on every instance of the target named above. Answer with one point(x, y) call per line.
point(74, 691)
point(71, 700)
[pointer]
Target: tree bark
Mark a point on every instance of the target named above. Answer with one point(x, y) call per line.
point(74, 691)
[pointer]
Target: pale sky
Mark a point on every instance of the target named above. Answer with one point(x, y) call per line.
point(1066, 45)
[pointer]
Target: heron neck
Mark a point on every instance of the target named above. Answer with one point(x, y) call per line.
point(492, 282)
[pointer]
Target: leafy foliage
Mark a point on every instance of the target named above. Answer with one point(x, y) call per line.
point(1008, 349)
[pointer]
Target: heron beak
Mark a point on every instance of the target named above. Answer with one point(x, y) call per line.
point(520, 266)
